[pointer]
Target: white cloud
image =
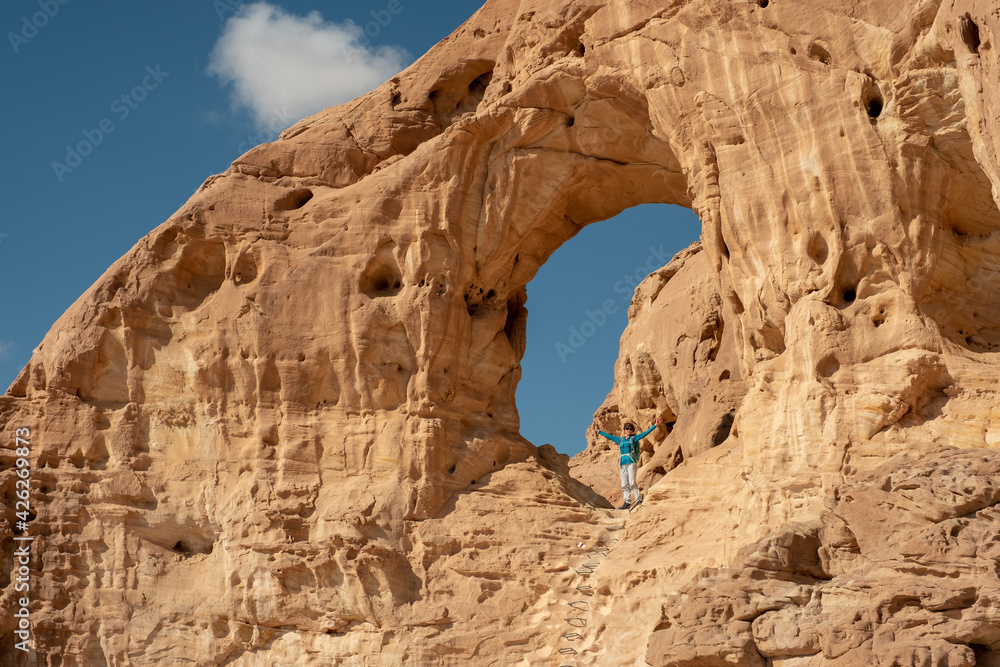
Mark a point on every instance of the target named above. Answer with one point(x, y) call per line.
point(283, 67)
point(6, 347)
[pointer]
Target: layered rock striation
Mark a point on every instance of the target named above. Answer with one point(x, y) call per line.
point(282, 430)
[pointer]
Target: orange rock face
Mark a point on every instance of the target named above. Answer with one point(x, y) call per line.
point(281, 429)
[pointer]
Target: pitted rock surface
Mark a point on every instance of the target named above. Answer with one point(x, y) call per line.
point(282, 430)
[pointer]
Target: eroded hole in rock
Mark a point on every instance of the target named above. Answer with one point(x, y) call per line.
point(245, 269)
point(818, 250)
point(481, 83)
point(850, 295)
point(828, 366)
point(462, 91)
point(77, 459)
point(187, 539)
point(724, 428)
point(875, 107)
point(166, 244)
point(198, 272)
point(295, 199)
point(382, 277)
point(817, 52)
point(983, 654)
point(762, 3)
point(874, 102)
point(105, 380)
point(970, 33)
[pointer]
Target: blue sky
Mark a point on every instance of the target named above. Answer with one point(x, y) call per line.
point(117, 111)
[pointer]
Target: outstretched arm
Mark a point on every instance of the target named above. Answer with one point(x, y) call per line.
point(658, 422)
point(608, 436)
point(645, 433)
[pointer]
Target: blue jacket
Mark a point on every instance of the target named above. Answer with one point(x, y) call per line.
point(628, 447)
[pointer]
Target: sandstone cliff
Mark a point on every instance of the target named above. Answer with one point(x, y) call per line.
point(281, 429)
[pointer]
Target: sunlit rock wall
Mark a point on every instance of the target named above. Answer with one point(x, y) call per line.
point(282, 428)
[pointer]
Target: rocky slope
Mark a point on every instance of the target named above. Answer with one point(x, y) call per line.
point(281, 429)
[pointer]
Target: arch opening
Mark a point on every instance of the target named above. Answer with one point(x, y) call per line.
point(578, 303)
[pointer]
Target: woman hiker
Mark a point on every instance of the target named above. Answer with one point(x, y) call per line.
point(628, 462)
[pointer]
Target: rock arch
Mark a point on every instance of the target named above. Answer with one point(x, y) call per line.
point(832, 232)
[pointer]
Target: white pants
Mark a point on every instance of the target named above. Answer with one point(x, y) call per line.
point(627, 473)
